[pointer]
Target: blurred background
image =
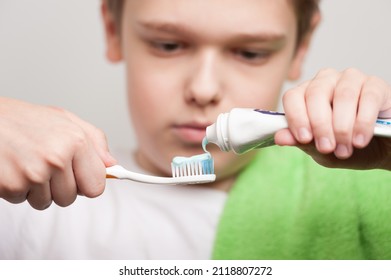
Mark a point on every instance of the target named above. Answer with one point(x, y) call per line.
point(52, 52)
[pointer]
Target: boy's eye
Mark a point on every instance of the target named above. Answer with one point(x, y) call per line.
point(167, 47)
point(251, 56)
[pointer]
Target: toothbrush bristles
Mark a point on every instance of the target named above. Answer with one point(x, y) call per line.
point(192, 167)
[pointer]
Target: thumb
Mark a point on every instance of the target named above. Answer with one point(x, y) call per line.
point(102, 148)
point(284, 137)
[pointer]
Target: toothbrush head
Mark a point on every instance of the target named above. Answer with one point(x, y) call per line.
point(198, 165)
point(193, 170)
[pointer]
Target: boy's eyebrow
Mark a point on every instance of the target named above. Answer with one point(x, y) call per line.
point(260, 37)
point(240, 37)
point(165, 27)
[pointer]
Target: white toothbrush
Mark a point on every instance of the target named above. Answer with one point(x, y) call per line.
point(193, 170)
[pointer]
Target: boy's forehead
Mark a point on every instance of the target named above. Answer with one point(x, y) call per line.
point(251, 18)
point(203, 8)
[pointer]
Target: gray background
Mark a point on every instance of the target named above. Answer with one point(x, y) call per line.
point(52, 52)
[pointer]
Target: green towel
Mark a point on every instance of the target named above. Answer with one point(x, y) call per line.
point(286, 206)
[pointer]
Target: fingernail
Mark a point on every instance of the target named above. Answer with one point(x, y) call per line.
point(110, 160)
point(342, 151)
point(359, 140)
point(324, 143)
point(304, 134)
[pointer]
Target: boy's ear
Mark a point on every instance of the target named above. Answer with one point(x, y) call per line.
point(113, 42)
point(302, 49)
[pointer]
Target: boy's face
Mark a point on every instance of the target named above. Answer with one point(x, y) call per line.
point(188, 61)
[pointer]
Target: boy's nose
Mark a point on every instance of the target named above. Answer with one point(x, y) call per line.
point(204, 86)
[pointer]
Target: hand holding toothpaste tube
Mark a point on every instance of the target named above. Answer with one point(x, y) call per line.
point(336, 111)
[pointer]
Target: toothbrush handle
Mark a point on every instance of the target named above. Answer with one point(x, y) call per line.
point(383, 128)
point(119, 172)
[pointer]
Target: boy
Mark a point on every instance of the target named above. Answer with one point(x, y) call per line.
point(188, 61)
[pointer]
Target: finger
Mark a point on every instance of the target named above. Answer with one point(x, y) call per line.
point(13, 187)
point(89, 171)
point(372, 100)
point(63, 186)
point(385, 109)
point(39, 196)
point(345, 105)
point(318, 96)
point(101, 146)
point(97, 138)
point(296, 113)
point(284, 137)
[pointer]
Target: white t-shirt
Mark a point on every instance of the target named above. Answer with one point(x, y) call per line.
point(128, 221)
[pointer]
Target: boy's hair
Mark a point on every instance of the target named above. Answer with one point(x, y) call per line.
point(304, 10)
point(116, 7)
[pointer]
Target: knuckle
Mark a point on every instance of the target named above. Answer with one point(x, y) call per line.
point(375, 80)
point(15, 193)
point(59, 155)
point(57, 161)
point(352, 71)
point(376, 86)
point(325, 72)
point(289, 94)
point(321, 127)
point(35, 174)
point(78, 139)
point(341, 133)
point(364, 124)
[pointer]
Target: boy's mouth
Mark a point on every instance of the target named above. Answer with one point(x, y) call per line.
point(191, 133)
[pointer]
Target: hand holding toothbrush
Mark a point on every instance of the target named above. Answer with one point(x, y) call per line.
point(48, 154)
point(332, 116)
